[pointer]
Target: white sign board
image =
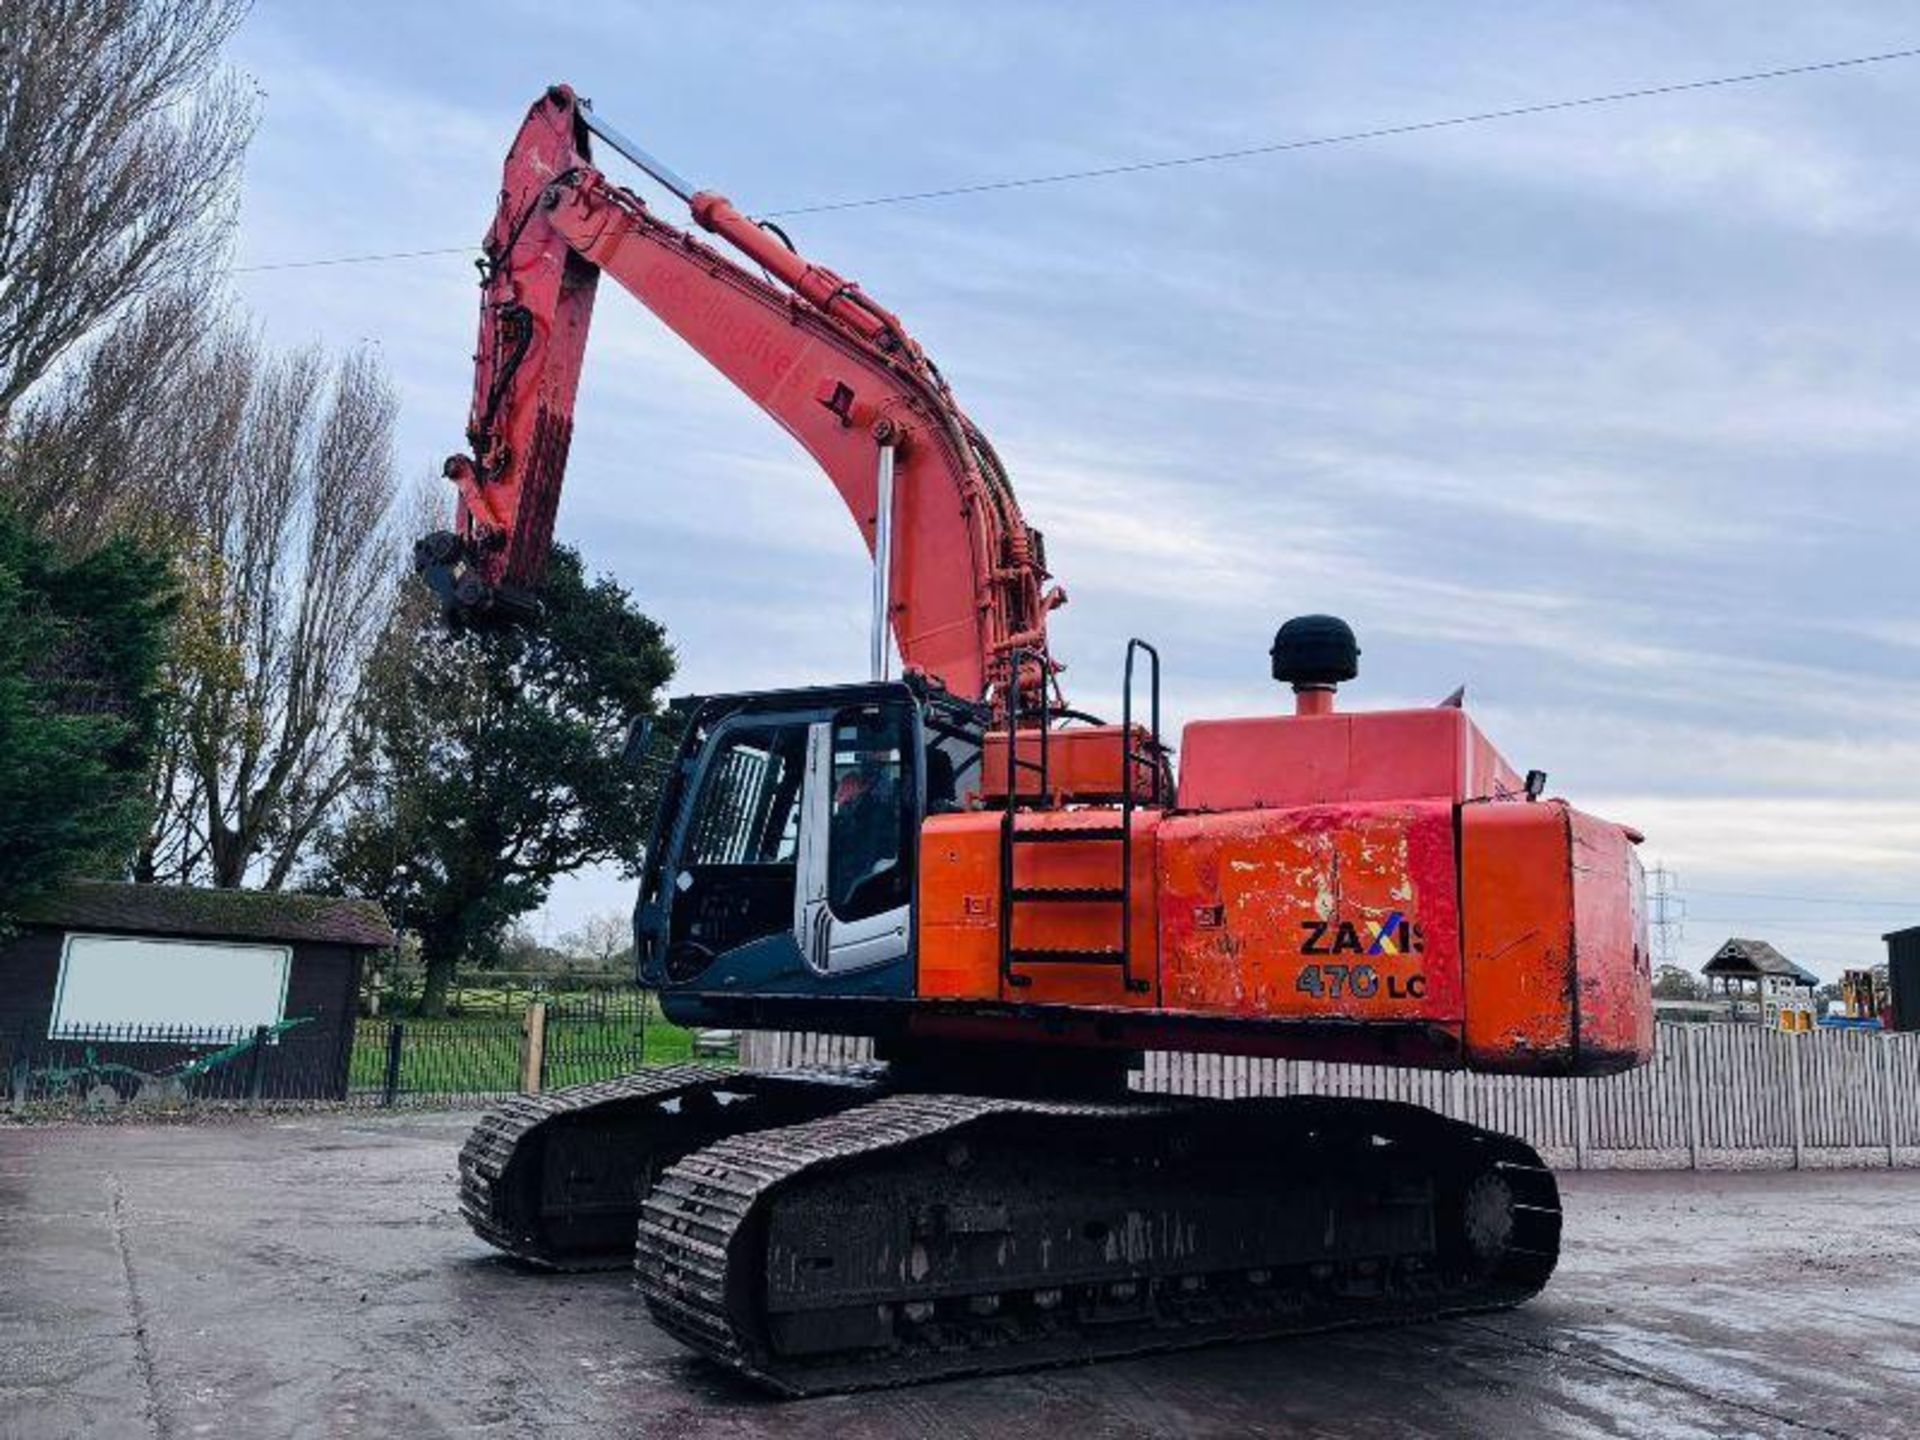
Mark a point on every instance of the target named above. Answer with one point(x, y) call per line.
point(199, 987)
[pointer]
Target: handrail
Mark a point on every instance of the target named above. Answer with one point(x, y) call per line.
point(1128, 757)
point(1015, 764)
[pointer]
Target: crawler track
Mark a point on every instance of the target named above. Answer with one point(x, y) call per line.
point(921, 1236)
point(556, 1180)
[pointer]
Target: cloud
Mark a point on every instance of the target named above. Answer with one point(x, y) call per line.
point(1796, 844)
point(1608, 414)
point(1757, 171)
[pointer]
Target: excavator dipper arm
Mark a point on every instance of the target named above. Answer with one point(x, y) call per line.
point(838, 372)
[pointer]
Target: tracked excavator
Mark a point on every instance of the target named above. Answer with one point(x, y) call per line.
point(1014, 900)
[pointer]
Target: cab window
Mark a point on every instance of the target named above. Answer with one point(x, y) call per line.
point(749, 810)
point(735, 879)
point(871, 834)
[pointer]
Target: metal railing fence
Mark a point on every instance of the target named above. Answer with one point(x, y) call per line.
point(405, 1061)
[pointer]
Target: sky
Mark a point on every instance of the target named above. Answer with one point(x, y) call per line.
point(1608, 414)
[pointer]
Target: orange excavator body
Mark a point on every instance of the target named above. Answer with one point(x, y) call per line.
point(1370, 887)
point(1378, 887)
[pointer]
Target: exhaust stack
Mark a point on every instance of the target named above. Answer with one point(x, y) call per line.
point(1314, 654)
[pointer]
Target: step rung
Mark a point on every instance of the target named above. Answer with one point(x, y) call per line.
point(1070, 894)
point(1114, 956)
point(1063, 837)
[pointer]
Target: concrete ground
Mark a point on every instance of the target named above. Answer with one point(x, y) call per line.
point(311, 1276)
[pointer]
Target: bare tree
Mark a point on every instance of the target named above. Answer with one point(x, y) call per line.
point(601, 942)
point(270, 482)
point(120, 148)
point(287, 588)
point(130, 404)
point(111, 445)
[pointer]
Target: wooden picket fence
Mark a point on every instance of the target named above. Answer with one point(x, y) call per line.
point(1715, 1097)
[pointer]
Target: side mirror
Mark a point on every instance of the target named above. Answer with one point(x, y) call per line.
point(1536, 784)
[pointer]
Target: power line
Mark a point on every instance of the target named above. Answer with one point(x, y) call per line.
point(1807, 899)
point(1350, 137)
point(351, 259)
point(1797, 922)
point(1278, 147)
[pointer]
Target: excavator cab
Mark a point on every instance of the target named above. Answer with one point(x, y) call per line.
point(783, 864)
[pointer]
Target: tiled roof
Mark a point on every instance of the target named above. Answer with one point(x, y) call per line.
point(1755, 957)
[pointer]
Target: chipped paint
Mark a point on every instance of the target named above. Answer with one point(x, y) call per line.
point(1272, 872)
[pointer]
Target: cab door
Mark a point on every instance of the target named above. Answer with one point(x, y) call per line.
point(859, 830)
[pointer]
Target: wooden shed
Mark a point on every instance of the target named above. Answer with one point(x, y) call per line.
point(211, 991)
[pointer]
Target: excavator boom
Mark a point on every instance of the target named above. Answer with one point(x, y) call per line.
point(965, 586)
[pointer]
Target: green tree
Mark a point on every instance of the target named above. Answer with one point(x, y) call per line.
point(81, 644)
point(490, 761)
point(1671, 982)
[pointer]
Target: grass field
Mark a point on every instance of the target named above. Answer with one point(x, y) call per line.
point(482, 1054)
